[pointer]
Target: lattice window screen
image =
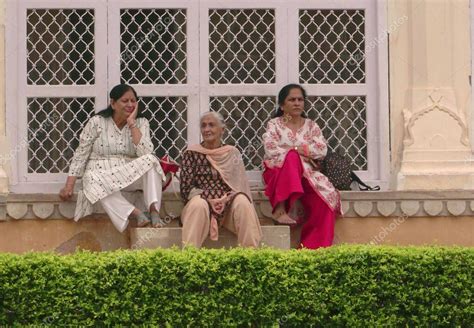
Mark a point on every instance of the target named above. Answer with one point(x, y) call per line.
point(242, 51)
point(60, 46)
point(168, 124)
point(153, 46)
point(241, 46)
point(344, 124)
point(246, 119)
point(331, 46)
point(60, 51)
point(153, 51)
point(54, 126)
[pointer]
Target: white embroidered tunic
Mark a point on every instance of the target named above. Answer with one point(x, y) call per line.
point(279, 139)
point(108, 160)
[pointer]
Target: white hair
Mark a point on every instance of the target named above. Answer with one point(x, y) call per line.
point(216, 115)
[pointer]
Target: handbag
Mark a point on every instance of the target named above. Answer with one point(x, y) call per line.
point(337, 168)
point(169, 168)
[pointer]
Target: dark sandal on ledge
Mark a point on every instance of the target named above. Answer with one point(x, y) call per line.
point(142, 220)
point(156, 221)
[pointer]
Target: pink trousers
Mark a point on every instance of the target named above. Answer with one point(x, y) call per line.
point(287, 184)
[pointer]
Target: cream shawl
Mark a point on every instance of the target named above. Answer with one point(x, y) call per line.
point(227, 160)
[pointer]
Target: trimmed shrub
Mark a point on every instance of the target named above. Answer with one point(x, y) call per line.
point(342, 286)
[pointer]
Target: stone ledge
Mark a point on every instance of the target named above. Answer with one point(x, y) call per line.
point(355, 204)
point(273, 236)
point(408, 203)
point(96, 232)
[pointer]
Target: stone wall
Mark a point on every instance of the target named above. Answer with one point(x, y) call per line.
point(44, 223)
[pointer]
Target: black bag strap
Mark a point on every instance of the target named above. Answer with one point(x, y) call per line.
point(355, 178)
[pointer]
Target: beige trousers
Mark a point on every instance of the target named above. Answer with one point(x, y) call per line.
point(241, 219)
point(119, 209)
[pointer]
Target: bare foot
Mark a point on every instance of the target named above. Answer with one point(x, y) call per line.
point(283, 218)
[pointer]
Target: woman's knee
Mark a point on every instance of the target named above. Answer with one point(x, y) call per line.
point(197, 209)
point(242, 201)
point(197, 204)
point(243, 209)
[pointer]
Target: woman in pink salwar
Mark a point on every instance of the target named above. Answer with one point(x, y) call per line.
point(293, 145)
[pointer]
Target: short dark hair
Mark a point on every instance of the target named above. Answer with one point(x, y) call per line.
point(116, 93)
point(284, 92)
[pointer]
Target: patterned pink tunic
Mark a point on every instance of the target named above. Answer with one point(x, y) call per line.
point(279, 139)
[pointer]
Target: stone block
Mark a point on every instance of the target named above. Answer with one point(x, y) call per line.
point(273, 236)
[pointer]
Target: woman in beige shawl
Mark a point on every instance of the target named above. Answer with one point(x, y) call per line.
point(215, 189)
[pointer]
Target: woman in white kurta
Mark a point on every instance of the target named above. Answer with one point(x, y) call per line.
point(292, 145)
point(115, 153)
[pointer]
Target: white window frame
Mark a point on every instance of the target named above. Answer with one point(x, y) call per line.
point(287, 71)
point(375, 80)
point(197, 88)
point(18, 90)
point(208, 90)
point(191, 88)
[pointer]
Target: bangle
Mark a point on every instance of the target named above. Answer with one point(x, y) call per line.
point(134, 125)
point(306, 150)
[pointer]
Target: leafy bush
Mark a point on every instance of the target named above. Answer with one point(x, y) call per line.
point(342, 286)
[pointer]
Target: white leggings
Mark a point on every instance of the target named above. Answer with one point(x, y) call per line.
point(119, 209)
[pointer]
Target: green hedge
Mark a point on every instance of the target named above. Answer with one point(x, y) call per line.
point(343, 286)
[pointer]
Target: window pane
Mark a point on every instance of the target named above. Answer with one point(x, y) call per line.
point(60, 45)
point(168, 124)
point(241, 46)
point(344, 125)
point(54, 126)
point(331, 46)
point(153, 46)
point(246, 119)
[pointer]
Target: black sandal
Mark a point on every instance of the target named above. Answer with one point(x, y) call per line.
point(156, 220)
point(142, 220)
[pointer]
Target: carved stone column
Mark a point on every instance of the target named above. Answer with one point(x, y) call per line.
point(435, 147)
